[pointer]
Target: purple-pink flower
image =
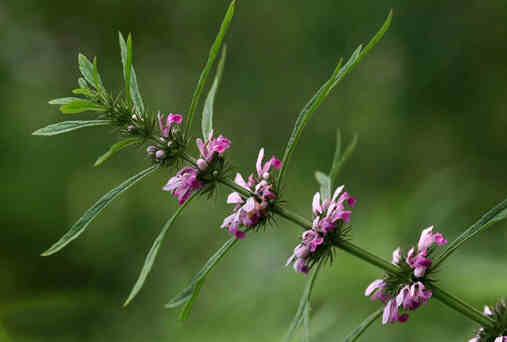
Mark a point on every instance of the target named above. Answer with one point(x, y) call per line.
point(253, 210)
point(165, 127)
point(210, 148)
point(496, 312)
point(184, 183)
point(328, 214)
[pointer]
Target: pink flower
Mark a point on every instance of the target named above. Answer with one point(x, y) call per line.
point(165, 128)
point(184, 184)
point(428, 238)
point(212, 146)
point(263, 170)
point(501, 339)
point(397, 256)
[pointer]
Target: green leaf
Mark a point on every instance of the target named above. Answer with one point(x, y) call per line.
point(64, 100)
point(325, 184)
point(496, 214)
point(207, 113)
point(84, 91)
point(82, 83)
point(135, 93)
point(126, 59)
point(187, 296)
point(116, 148)
point(340, 160)
point(324, 91)
point(303, 311)
point(95, 210)
point(81, 105)
point(354, 335)
point(86, 68)
point(96, 77)
point(67, 126)
point(152, 254)
point(215, 48)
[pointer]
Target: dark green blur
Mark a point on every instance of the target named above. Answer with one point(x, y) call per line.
point(429, 104)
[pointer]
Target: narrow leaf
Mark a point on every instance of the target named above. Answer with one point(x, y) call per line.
point(82, 83)
point(116, 148)
point(96, 77)
point(135, 93)
point(86, 68)
point(80, 106)
point(64, 100)
point(152, 254)
point(354, 335)
point(67, 126)
point(187, 296)
point(215, 48)
point(84, 91)
point(322, 93)
point(339, 161)
point(207, 113)
point(126, 59)
point(95, 210)
point(325, 184)
point(303, 310)
point(496, 214)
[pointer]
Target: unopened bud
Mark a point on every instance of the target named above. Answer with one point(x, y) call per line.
point(151, 150)
point(160, 154)
point(202, 164)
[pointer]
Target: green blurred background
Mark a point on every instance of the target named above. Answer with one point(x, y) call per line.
point(429, 104)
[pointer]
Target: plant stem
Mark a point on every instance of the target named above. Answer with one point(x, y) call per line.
point(446, 298)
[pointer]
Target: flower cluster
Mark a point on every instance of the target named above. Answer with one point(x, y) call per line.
point(408, 292)
point(497, 333)
point(328, 215)
point(190, 178)
point(250, 212)
point(169, 137)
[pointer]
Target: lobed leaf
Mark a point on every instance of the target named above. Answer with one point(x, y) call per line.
point(324, 91)
point(116, 148)
point(67, 126)
point(325, 184)
point(303, 311)
point(81, 105)
point(187, 296)
point(152, 254)
point(215, 48)
point(496, 214)
point(357, 332)
point(340, 160)
point(80, 226)
point(207, 113)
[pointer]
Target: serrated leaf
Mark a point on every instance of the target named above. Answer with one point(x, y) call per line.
point(215, 48)
point(357, 332)
point(79, 227)
point(126, 59)
point(325, 184)
point(86, 68)
point(67, 126)
point(496, 214)
point(64, 100)
point(81, 105)
point(187, 296)
point(207, 113)
point(116, 148)
point(303, 310)
point(340, 160)
point(324, 91)
point(152, 254)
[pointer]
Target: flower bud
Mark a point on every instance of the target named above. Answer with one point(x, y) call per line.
point(202, 164)
point(130, 128)
point(160, 154)
point(151, 150)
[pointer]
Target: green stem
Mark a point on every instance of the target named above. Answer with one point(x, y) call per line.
point(446, 298)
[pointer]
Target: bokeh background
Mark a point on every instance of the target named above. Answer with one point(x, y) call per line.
point(429, 105)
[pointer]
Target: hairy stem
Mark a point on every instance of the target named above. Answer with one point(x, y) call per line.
point(446, 298)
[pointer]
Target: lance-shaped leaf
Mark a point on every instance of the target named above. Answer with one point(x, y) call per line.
point(89, 72)
point(78, 105)
point(340, 159)
point(126, 60)
point(323, 92)
point(67, 126)
point(496, 214)
point(357, 332)
point(325, 184)
point(80, 226)
point(152, 254)
point(187, 296)
point(303, 311)
point(135, 93)
point(96, 77)
point(207, 113)
point(64, 100)
point(215, 48)
point(116, 148)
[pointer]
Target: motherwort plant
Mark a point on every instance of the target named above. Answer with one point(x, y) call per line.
point(410, 279)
